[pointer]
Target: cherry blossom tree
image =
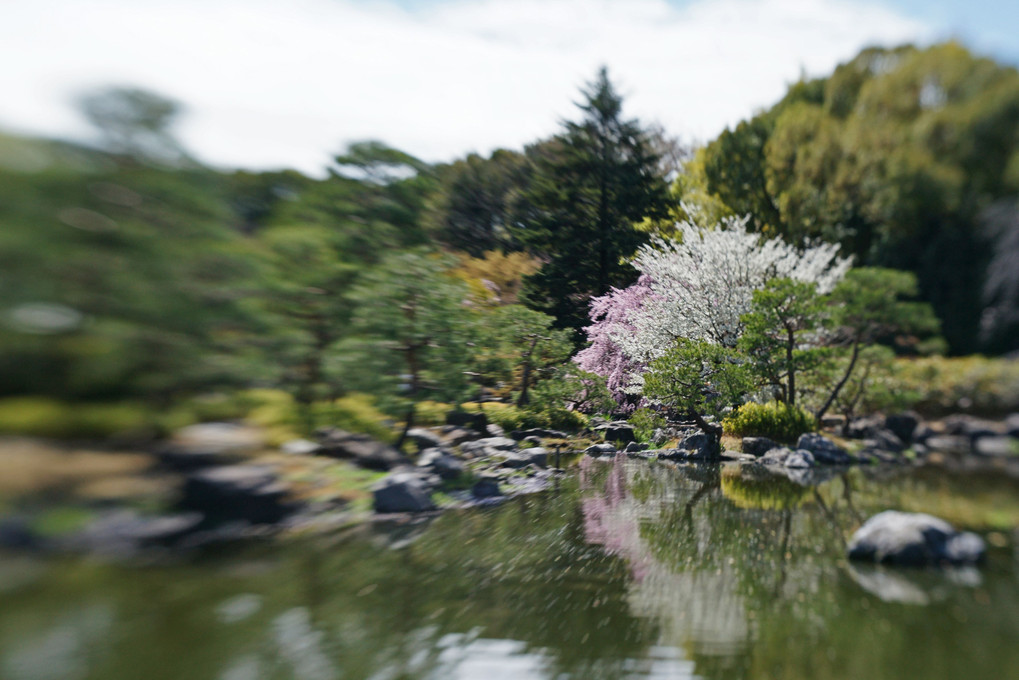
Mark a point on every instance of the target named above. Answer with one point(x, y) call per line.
point(696, 286)
point(610, 315)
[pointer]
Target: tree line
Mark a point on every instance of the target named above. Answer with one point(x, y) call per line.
point(132, 271)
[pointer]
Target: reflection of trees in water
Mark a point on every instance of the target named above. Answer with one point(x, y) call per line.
point(695, 605)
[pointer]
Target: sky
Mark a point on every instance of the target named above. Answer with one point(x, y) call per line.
point(288, 83)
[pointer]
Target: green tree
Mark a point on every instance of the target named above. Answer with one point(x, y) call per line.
point(134, 122)
point(414, 330)
point(473, 208)
point(780, 334)
point(897, 156)
point(591, 187)
point(519, 345)
point(699, 378)
point(869, 305)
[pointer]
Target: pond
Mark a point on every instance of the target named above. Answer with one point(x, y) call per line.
point(629, 569)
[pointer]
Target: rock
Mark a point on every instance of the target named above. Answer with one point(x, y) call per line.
point(922, 433)
point(946, 443)
point(883, 438)
point(402, 492)
point(536, 456)
point(600, 449)
point(636, 447)
point(963, 425)
point(486, 487)
point(538, 432)
point(861, 428)
point(914, 539)
point(788, 458)
point(823, 449)
point(475, 421)
point(617, 431)
point(659, 437)
point(124, 532)
point(455, 436)
point(487, 446)
point(210, 444)
point(997, 446)
point(17, 533)
point(299, 447)
point(494, 430)
point(424, 439)
point(237, 492)
point(444, 464)
point(1012, 425)
point(758, 446)
point(362, 449)
point(698, 444)
point(902, 425)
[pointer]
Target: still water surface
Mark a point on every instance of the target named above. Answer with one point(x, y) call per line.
point(629, 570)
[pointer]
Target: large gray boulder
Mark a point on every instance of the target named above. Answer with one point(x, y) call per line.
point(539, 432)
point(600, 449)
point(698, 445)
point(402, 491)
point(250, 493)
point(788, 458)
point(823, 449)
point(758, 446)
point(618, 431)
point(362, 449)
point(902, 425)
point(210, 445)
point(914, 539)
point(488, 446)
point(536, 456)
point(424, 439)
point(441, 462)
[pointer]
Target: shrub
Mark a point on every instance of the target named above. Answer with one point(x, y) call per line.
point(774, 420)
point(45, 417)
point(431, 413)
point(282, 416)
point(645, 421)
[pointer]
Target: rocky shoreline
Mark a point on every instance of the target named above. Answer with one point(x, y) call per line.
point(224, 486)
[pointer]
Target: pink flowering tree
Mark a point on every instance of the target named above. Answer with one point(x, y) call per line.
point(611, 316)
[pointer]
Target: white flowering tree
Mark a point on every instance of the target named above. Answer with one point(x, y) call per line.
point(701, 283)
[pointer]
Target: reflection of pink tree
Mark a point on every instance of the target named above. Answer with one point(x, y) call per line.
point(611, 314)
point(609, 518)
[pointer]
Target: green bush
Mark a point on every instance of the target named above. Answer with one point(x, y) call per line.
point(510, 418)
point(773, 420)
point(431, 413)
point(975, 384)
point(645, 421)
point(284, 418)
point(45, 417)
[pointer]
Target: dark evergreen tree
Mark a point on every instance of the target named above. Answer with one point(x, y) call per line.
point(590, 186)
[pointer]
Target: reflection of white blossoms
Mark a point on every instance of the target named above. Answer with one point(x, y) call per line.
point(698, 607)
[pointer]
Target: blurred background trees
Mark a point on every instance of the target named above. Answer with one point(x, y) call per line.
point(128, 271)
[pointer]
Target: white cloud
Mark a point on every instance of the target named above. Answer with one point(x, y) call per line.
point(288, 83)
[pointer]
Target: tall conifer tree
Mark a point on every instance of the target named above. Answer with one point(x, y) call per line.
point(591, 185)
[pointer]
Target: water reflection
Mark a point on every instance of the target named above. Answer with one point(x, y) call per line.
point(630, 570)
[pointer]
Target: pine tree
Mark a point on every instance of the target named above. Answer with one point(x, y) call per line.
point(591, 185)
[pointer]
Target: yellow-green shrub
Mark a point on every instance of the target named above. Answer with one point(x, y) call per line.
point(45, 417)
point(773, 420)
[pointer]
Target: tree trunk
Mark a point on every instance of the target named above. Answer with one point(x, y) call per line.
point(714, 432)
point(791, 368)
point(841, 383)
point(523, 399)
